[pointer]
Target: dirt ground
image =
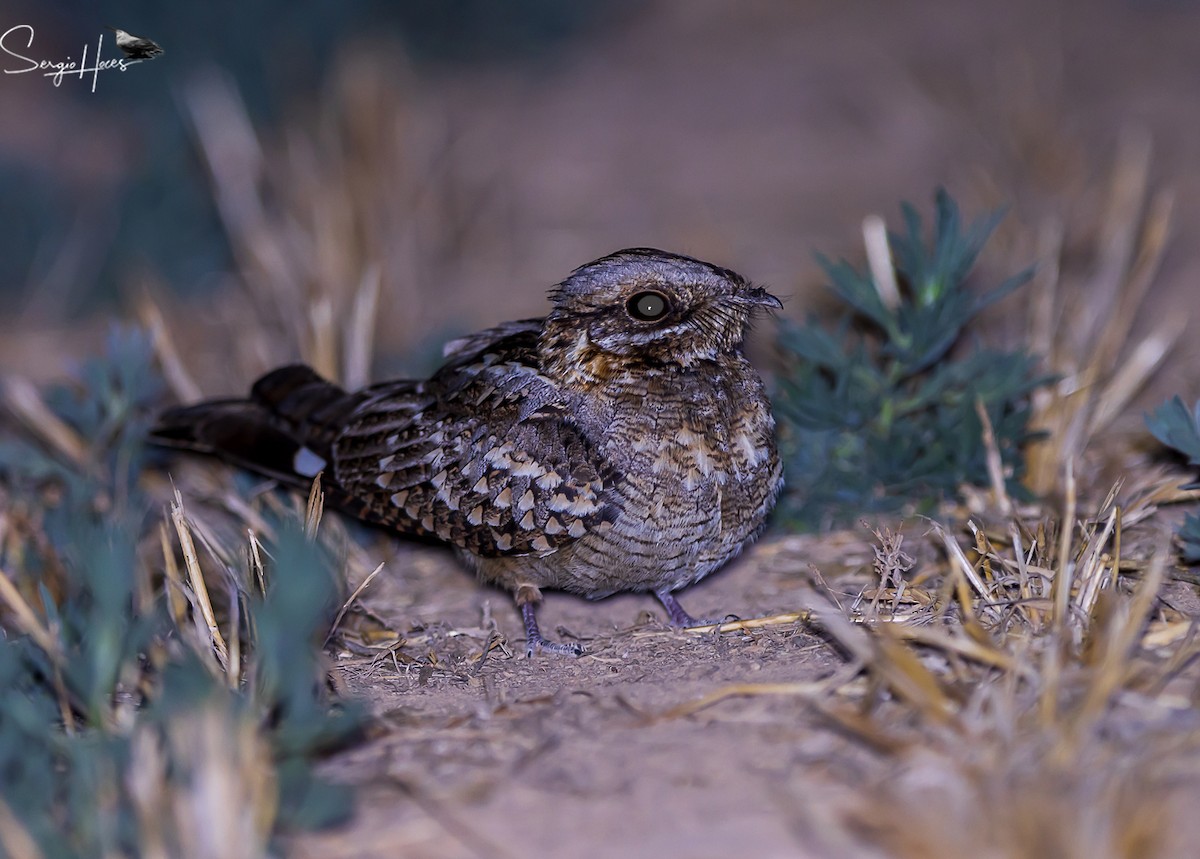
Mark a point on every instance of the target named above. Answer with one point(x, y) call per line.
point(519, 757)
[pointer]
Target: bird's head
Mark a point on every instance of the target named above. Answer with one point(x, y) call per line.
point(648, 306)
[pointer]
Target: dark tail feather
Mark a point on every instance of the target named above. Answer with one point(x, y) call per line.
point(305, 401)
point(284, 430)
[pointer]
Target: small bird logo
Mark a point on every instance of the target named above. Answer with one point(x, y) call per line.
point(135, 47)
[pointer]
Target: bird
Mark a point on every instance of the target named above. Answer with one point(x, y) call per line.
point(624, 442)
point(135, 47)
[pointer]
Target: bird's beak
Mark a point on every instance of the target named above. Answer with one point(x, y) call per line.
point(758, 296)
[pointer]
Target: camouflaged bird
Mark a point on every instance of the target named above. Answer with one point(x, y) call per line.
point(622, 443)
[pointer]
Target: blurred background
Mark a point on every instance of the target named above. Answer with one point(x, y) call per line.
point(288, 170)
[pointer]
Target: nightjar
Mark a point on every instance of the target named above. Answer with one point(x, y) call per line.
point(622, 443)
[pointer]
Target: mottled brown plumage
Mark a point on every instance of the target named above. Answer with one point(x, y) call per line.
point(623, 443)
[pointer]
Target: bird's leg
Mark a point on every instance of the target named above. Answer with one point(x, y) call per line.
point(528, 598)
point(678, 615)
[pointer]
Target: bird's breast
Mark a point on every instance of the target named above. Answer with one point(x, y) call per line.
point(697, 462)
point(709, 426)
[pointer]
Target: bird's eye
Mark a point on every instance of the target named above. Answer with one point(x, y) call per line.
point(648, 306)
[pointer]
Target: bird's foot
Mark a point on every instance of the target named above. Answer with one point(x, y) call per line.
point(534, 640)
point(678, 616)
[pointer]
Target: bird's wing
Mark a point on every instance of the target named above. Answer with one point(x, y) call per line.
point(473, 346)
point(485, 455)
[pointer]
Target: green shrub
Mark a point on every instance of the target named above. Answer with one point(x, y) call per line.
point(112, 718)
point(878, 412)
point(1179, 429)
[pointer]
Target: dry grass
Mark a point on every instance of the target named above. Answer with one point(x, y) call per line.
point(217, 798)
point(1033, 693)
point(1083, 325)
point(1022, 723)
point(351, 213)
point(207, 786)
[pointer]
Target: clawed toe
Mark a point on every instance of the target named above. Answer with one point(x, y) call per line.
point(534, 641)
point(559, 648)
point(678, 616)
point(711, 621)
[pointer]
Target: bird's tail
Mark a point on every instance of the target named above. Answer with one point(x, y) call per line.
point(284, 429)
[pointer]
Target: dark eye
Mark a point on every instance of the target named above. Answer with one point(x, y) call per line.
point(648, 306)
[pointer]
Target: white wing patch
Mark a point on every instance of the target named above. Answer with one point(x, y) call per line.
point(308, 464)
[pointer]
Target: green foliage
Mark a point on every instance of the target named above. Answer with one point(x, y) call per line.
point(1189, 539)
point(118, 672)
point(880, 412)
point(1179, 429)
